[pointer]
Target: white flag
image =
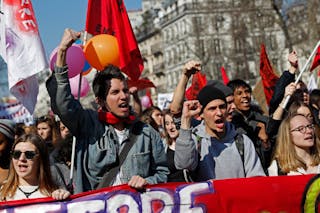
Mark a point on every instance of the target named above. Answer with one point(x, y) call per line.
point(25, 54)
point(2, 32)
point(312, 83)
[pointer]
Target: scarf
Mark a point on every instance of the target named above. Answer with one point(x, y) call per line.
point(109, 118)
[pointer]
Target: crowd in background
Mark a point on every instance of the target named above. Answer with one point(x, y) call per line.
point(220, 134)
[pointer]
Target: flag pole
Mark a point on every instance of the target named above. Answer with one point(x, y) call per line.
point(302, 71)
point(74, 140)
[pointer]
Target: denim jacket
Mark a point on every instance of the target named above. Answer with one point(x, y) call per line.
point(97, 144)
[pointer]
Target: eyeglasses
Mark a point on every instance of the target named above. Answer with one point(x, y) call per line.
point(28, 154)
point(303, 129)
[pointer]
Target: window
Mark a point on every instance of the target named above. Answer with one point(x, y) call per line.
point(216, 46)
point(239, 44)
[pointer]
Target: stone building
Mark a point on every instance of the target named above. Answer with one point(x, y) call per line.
point(219, 33)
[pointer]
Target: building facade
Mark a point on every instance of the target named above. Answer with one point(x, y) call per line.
point(219, 33)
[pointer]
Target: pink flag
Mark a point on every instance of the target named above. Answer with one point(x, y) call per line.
point(24, 55)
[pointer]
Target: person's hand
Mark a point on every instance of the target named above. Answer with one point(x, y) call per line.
point(263, 135)
point(60, 194)
point(191, 68)
point(290, 89)
point(293, 59)
point(190, 109)
point(69, 36)
point(133, 90)
point(137, 182)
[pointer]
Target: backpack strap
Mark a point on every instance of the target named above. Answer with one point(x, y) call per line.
point(238, 139)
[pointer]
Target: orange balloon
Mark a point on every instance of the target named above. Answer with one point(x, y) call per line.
point(102, 50)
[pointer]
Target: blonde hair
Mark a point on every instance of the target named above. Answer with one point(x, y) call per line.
point(46, 185)
point(285, 153)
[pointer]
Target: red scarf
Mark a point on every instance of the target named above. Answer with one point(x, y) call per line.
point(110, 118)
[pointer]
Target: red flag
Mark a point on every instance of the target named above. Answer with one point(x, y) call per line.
point(110, 17)
point(316, 60)
point(268, 77)
point(224, 76)
point(148, 94)
point(198, 82)
point(141, 84)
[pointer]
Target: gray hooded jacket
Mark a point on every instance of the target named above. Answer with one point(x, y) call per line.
point(219, 159)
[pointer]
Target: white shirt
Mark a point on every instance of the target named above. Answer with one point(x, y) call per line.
point(121, 136)
point(20, 195)
point(273, 170)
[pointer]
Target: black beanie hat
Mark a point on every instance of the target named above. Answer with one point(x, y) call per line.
point(208, 94)
point(227, 91)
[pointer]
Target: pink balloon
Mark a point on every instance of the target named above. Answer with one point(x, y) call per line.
point(74, 85)
point(75, 60)
point(145, 102)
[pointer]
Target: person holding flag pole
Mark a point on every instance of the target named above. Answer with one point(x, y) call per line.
point(112, 147)
point(302, 71)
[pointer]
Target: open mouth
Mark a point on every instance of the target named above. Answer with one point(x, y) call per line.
point(123, 105)
point(22, 168)
point(219, 123)
point(309, 137)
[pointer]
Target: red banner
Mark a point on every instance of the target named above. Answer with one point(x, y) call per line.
point(261, 194)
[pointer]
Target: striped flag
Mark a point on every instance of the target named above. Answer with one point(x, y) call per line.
point(24, 54)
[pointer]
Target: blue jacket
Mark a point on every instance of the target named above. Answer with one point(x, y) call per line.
point(97, 144)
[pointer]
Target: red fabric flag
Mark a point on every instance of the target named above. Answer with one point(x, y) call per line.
point(224, 76)
point(268, 77)
point(316, 60)
point(141, 84)
point(198, 82)
point(148, 94)
point(110, 17)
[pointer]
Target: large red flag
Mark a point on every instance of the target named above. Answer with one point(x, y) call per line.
point(268, 77)
point(110, 17)
point(198, 82)
point(316, 60)
point(224, 76)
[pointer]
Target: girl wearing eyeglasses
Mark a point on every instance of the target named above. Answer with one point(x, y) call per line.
point(297, 148)
point(29, 174)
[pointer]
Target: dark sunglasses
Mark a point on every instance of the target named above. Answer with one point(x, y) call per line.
point(29, 154)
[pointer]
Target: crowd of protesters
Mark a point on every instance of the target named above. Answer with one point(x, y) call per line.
point(221, 134)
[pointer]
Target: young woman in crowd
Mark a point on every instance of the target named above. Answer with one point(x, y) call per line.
point(6, 141)
point(153, 116)
point(49, 132)
point(171, 134)
point(29, 174)
point(297, 148)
